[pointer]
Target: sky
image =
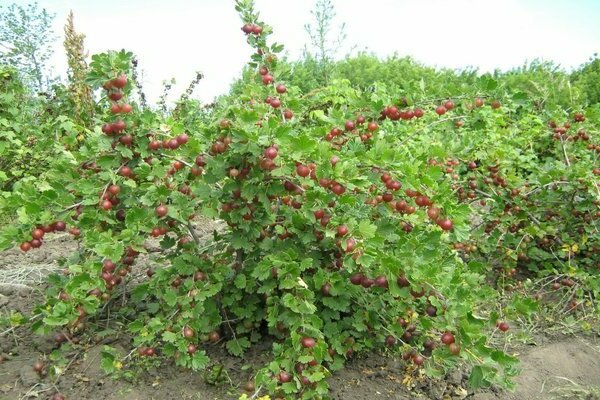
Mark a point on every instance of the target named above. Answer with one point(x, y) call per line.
point(175, 38)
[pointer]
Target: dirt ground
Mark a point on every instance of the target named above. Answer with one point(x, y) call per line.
point(556, 367)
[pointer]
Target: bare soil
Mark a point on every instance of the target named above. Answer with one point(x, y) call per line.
point(548, 368)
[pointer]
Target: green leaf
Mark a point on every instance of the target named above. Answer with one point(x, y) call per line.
point(336, 303)
point(476, 377)
point(240, 281)
point(367, 229)
point(110, 249)
point(200, 360)
point(239, 241)
point(525, 306)
point(170, 297)
point(237, 346)
point(488, 83)
point(169, 337)
point(202, 191)
point(316, 376)
point(107, 363)
point(56, 321)
point(7, 236)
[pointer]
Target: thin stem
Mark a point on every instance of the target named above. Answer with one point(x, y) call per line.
point(429, 101)
point(256, 393)
point(520, 241)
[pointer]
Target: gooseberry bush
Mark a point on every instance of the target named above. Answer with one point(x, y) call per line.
point(351, 221)
point(26, 149)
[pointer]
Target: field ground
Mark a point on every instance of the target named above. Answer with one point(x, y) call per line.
point(553, 366)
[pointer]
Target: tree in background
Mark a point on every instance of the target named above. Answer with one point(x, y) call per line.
point(79, 92)
point(26, 39)
point(586, 78)
point(324, 48)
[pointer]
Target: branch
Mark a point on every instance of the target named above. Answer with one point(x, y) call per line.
point(545, 186)
point(283, 178)
point(177, 159)
point(429, 101)
point(562, 142)
point(534, 219)
point(483, 193)
point(193, 233)
point(72, 206)
point(430, 125)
